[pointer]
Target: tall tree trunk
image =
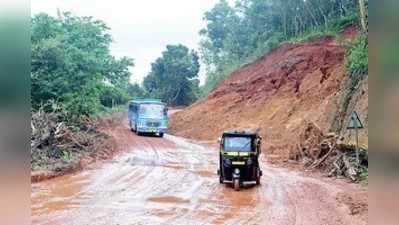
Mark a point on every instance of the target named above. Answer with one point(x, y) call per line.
point(285, 24)
point(315, 22)
point(325, 18)
point(363, 15)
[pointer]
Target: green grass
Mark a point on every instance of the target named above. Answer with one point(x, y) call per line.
point(312, 34)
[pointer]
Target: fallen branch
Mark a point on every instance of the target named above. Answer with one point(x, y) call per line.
point(329, 153)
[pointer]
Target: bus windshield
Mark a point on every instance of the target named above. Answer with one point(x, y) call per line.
point(152, 110)
point(237, 144)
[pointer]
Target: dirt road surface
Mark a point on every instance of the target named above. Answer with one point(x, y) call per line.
point(173, 181)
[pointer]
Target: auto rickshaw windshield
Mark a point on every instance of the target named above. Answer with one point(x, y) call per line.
point(237, 144)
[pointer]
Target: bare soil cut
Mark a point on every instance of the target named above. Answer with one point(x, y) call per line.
point(290, 86)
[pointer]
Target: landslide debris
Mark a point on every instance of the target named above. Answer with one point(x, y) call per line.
point(329, 153)
point(58, 148)
point(292, 85)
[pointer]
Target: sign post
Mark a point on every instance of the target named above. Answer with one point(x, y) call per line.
point(356, 124)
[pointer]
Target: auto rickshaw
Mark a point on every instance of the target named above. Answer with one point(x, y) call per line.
point(238, 158)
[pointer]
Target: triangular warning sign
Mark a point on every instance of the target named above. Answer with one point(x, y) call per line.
point(354, 121)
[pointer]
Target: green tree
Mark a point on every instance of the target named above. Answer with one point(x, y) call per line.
point(71, 63)
point(136, 91)
point(174, 76)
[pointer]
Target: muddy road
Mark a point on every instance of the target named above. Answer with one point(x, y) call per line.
point(173, 181)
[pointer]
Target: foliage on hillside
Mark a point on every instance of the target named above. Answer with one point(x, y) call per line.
point(357, 57)
point(173, 76)
point(237, 35)
point(71, 64)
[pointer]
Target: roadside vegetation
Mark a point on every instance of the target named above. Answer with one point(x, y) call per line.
point(71, 64)
point(357, 56)
point(73, 79)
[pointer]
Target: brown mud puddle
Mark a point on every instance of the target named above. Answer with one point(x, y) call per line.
point(168, 199)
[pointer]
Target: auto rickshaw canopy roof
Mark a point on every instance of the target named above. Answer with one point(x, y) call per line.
point(241, 132)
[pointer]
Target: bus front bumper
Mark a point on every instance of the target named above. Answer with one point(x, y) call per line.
point(152, 129)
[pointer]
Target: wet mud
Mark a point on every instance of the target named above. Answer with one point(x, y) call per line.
point(173, 181)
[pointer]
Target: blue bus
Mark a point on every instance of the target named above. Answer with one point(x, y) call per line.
point(148, 116)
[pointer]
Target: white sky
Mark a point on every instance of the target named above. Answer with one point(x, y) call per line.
point(141, 29)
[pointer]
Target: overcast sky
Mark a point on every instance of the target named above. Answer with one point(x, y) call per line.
point(141, 29)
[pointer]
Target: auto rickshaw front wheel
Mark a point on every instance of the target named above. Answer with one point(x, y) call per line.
point(258, 175)
point(236, 184)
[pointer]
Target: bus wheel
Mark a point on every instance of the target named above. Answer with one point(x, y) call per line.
point(160, 134)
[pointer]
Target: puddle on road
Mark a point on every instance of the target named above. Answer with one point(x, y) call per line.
point(58, 193)
point(205, 173)
point(168, 199)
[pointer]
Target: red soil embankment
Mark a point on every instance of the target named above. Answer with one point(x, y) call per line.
point(277, 93)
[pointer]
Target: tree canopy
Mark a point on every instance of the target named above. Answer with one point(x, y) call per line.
point(71, 64)
point(174, 76)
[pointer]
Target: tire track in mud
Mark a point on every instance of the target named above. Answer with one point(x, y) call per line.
point(171, 180)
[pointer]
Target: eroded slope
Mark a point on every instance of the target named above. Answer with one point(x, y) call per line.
point(278, 93)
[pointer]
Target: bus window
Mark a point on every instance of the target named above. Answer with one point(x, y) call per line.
point(152, 110)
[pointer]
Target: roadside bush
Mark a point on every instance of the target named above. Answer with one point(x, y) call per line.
point(77, 105)
point(357, 56)
point(112, 96)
